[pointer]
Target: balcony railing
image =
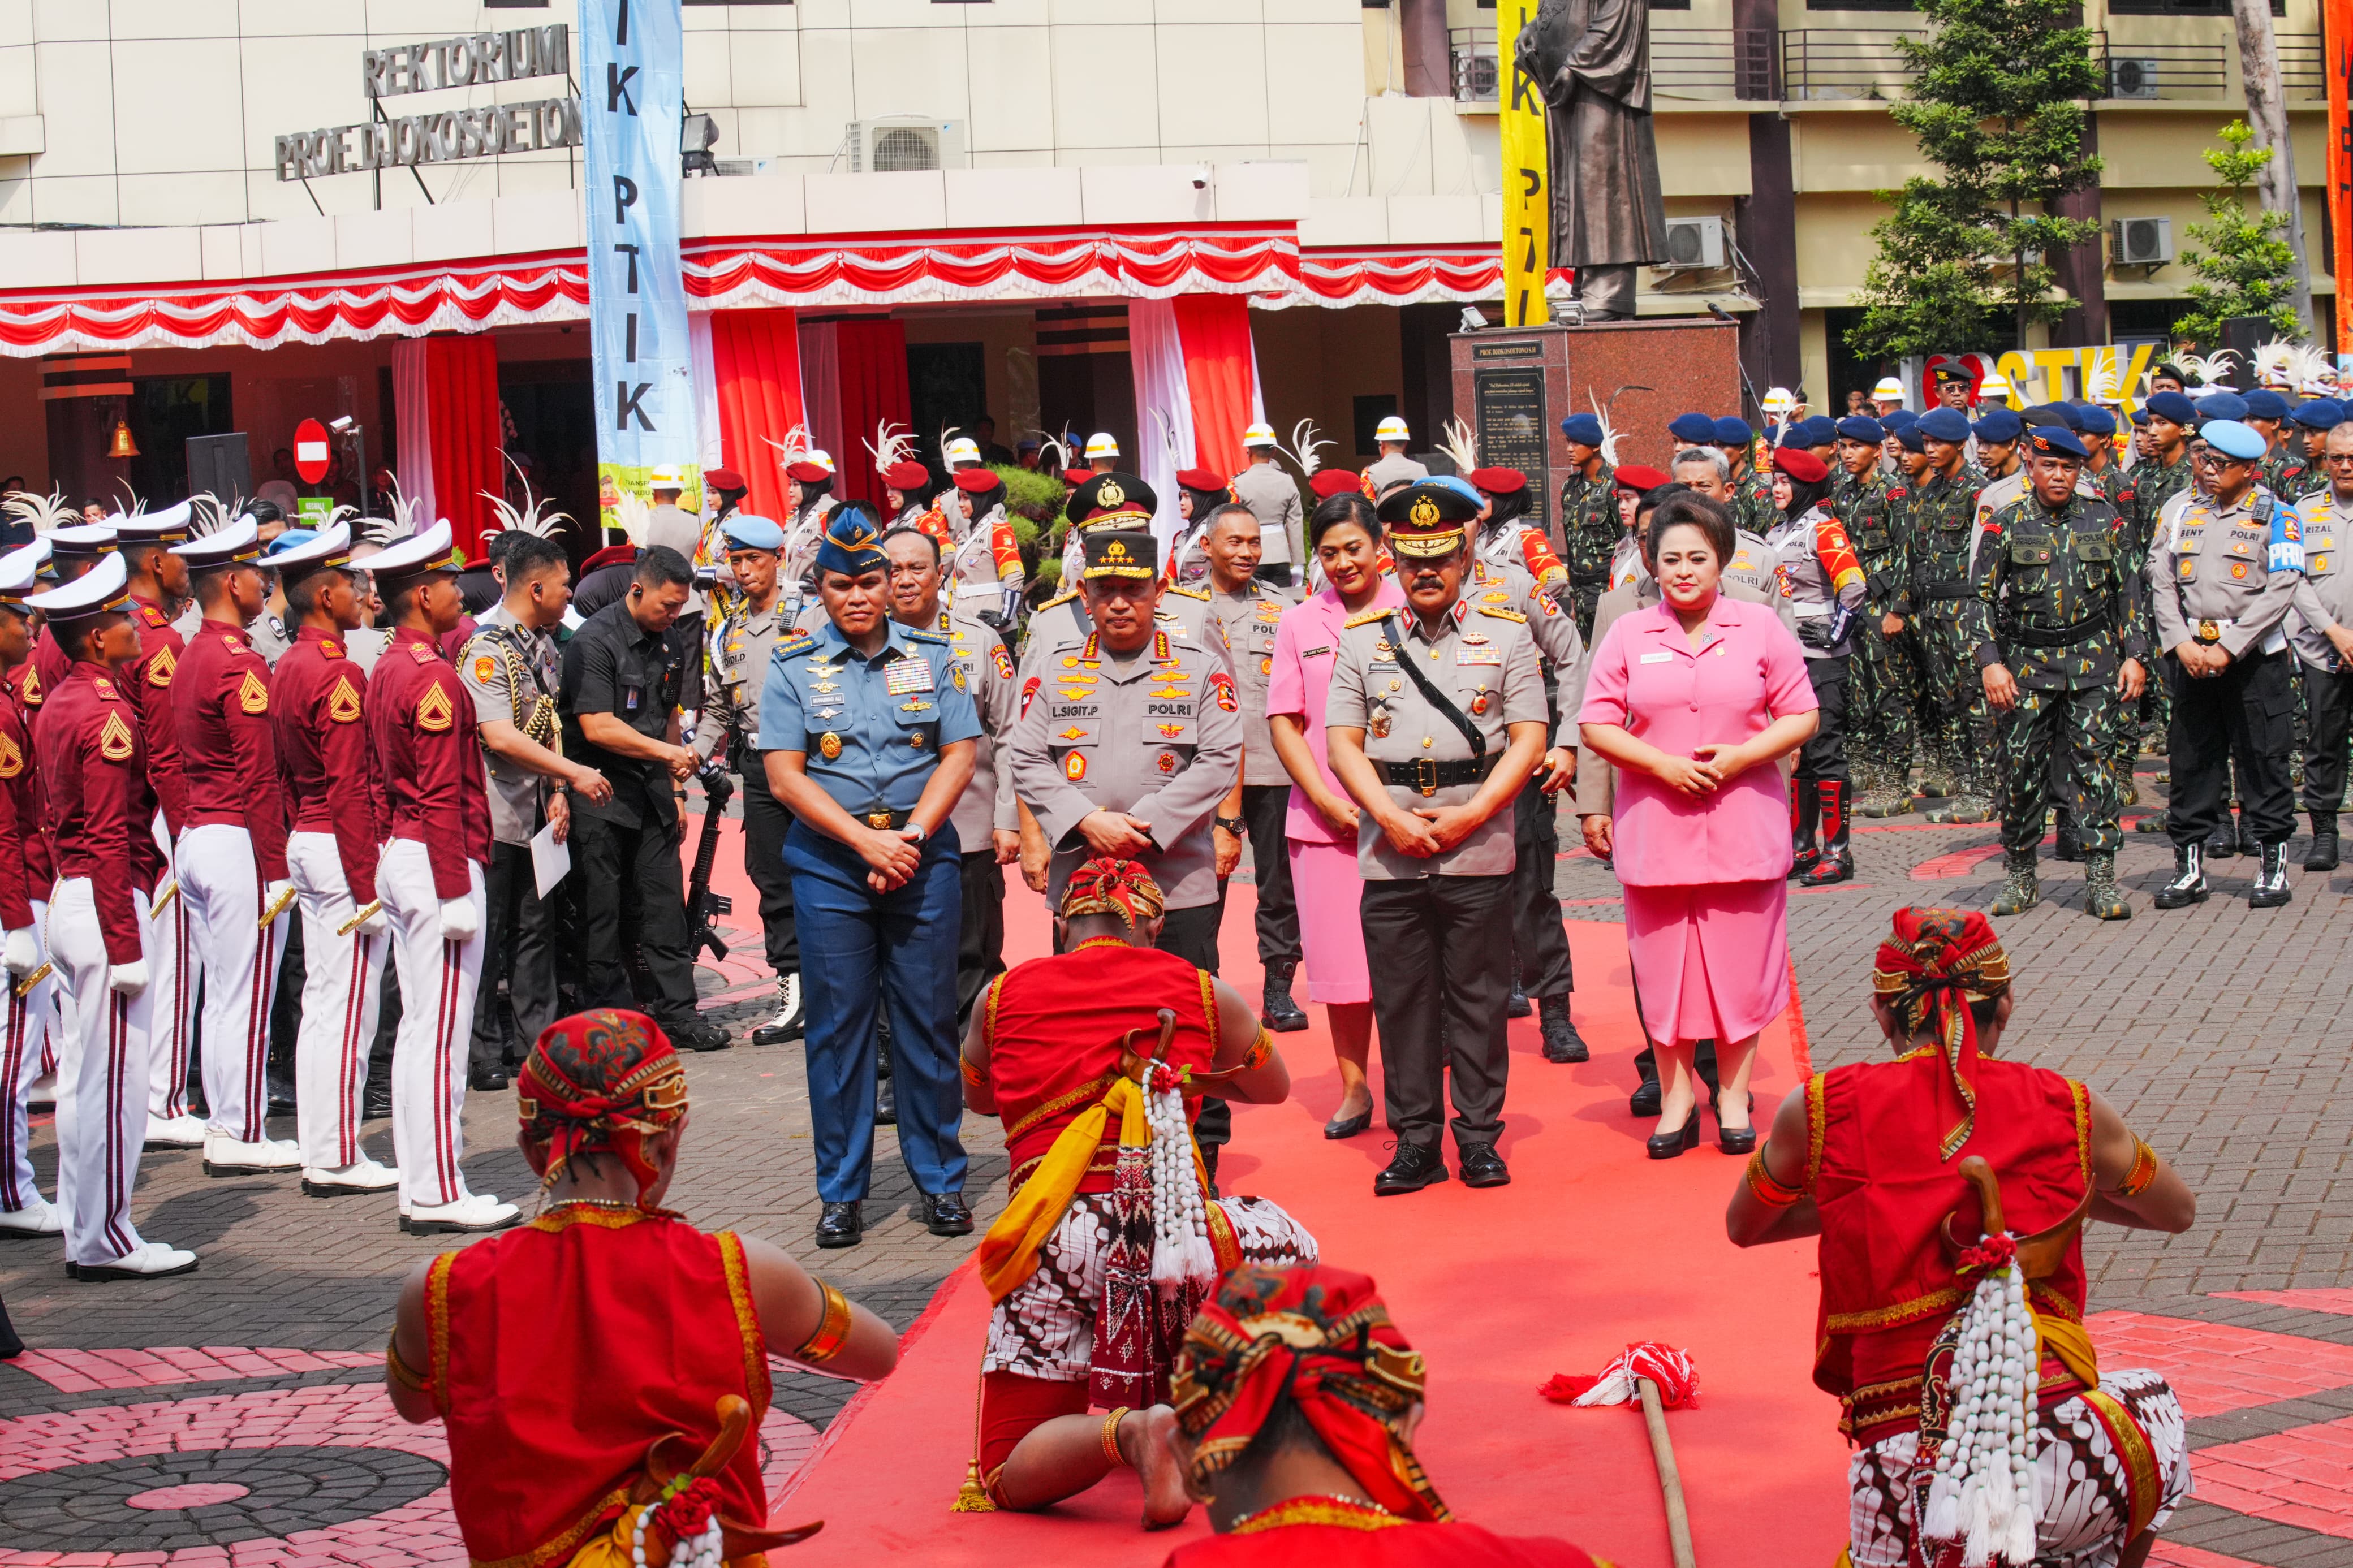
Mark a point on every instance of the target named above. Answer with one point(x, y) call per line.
point(2158, 71)
point(2300, 70)
point(1478, 75)
point(1829, 64)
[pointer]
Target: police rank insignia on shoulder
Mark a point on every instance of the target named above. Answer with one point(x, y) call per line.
point(420, 653)
point(1061, 598)
point(252, 696)
point(1200, 593)
point(1503, 615)
point(342, 702)
point(106, 689)
point(153, 616)
point(1366, 617)
point(434, 713)
point(160, 668)
point(115, 743)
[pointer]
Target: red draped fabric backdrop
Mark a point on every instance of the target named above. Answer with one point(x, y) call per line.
point(756, 357)
point(871, 372)
point(1221, 375)
point(462, 410)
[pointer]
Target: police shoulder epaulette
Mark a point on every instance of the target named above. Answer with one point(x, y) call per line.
point(934, 639)
point(1502, 614)
point(1366, 617)
point(1063, 597)
point(793, 646)
point(1200, 593)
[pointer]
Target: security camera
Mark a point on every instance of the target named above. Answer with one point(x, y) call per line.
point(1200, 176)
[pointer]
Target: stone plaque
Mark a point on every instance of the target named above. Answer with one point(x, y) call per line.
point(1512, 426)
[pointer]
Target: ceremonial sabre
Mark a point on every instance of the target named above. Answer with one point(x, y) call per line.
point(1671, 1481)
point(24, 987)
point(373, 907)
point(277, 908)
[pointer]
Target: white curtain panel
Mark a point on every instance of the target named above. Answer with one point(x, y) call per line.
point(707, 449)
point(821, 390)
point(414, 461)
point(1164, 407)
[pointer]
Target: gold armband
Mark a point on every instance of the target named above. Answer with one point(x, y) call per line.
point(974, 1073)
point(2143, 1172)
point(1111, 1456)
point(832, 1330)
point(399, 1370)
point(1260, 1050)
point(1769, 1189)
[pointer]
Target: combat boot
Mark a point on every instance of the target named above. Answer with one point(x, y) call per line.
point(1562, 1042)
point(2323, 855)
point(2247, 844)
point(1280, 1013)
point(2223, 842)
point(2019, 891)
point(2071, 841)
point(1882, 791)
point(1805, 809)
point(2188, 884)
point(2270, 889)
point(2101, 898)
point(1836, 862)
point(1936, 771)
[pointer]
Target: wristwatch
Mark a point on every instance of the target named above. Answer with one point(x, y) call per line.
point(1237, 825)
point(917, 831)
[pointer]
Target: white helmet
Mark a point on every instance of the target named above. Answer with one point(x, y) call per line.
point(1103, 443)
point(1392, 429)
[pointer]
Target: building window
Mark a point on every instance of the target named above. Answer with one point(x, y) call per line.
point(2181, 8)
point(1367, 413)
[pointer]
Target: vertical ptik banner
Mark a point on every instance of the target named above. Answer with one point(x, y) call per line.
point(1527, 201)
point(631, 100)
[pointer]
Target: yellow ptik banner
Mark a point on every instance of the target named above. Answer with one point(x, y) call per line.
point(1527, 203)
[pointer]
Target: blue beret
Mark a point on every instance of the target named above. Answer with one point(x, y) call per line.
point(2056, 441)
point(1585, 430)
point(2320, 414)
point(1696, 428)
point(1911, 437)
point(1896, 419)
point(853, 545)
point(1943, 424)
point(2172, 405)
point(2221, 406)
point(1731, 432)
point(2139, 417)
point(1858, 428)
point(1815, 430)
point(2050, 414)
point(1999, 425)
point(2233, 439)
point(2264, 403)
point(749, 530)
point(2095, 421)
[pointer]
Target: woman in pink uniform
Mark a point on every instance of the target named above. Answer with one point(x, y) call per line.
point(1694, 700)
point(1344, 536)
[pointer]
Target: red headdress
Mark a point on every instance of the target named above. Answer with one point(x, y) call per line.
point(1936, 964)
point(598, 1083)
point(1106, 885)
point(1321, 1338)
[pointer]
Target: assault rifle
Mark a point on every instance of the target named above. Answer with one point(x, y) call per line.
point(701, 903)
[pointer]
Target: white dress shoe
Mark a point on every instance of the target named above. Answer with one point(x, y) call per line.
point(363, 1175)
point(181, 1132)
point(225, 1156)
point(37, 1217)
point(476, 1211)
point(149, 1261)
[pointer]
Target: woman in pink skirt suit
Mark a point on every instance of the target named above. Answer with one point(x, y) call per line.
point(1344, 536)
point(1694, 700)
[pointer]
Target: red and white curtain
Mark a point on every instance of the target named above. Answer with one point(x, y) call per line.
point(1196, 388)
point(444, 389)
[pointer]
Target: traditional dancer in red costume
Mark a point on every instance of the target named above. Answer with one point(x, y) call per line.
point(1297, 1404)
point(1096, 1059)
point(1928, 1335)
point(602, 1369)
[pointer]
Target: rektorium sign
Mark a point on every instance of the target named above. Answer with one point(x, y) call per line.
point(446, 135)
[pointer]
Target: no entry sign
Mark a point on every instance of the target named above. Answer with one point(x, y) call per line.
point(311, 451)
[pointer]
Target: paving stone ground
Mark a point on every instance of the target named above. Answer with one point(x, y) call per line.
point(2220, 1033)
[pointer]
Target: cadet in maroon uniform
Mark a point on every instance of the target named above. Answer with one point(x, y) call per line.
point(72, 552)
point(429, 878)
point(232, 851)
point(107, 866)
point(158, 580)
point(24, 876)
point(317, 706)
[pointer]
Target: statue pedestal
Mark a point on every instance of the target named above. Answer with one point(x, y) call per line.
point(1515, 385)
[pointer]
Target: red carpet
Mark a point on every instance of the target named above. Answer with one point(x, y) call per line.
point(1591, 1246)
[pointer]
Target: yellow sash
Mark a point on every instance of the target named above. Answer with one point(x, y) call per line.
point(1008, 1253)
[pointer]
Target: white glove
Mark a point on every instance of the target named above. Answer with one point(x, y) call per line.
point(273, 891)
point(460, 919)
point(375, 924)
point(127, 979)
point(22, 953)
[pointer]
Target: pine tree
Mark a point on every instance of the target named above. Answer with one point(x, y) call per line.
point(2247, 268)
point(1997, 104)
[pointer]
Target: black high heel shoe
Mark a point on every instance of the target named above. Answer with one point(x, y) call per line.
point(1669, 1145)
point(1348, 1127)
point(1737, 1140)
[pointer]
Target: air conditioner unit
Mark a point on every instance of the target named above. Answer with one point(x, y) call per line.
point(1695, 242)
point(902, 142)
point(2144, 241)
point(2132, 75)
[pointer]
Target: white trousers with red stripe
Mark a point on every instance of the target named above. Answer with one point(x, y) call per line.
point(31, 1027)
point(437, 1016)
point(342, 985)
point(172, 973)
point(220, 887)
point(101, 1081)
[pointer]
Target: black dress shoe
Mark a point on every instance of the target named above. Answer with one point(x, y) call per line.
point(947, 1214)
point(1482, 1167)
point(1410, 1168)
point(282, 1096)
point(376, 1102)
point(1348, 1127)
point(2222, 843)
point(1671, 1145)
point(488, 1079)
point(841, 1225)
point(697, 1035)
point(1517, 1005)
point(1644, 1101)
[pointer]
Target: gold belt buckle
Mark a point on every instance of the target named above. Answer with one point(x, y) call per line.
point(879, 820)
point(1425, 776)
point(2209, 632)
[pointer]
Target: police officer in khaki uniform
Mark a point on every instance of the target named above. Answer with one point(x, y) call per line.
point(1272, 497)
point(2321, 628)
point(2222, 575)
point(1115, 500)
point(1436, 718)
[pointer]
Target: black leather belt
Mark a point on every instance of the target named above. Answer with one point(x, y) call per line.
point(2056, 636)
point(1430, 777)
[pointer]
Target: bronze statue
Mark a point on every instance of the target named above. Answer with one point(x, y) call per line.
point(1591, 62)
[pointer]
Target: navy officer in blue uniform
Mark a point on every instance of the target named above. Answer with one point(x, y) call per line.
point(869, 733)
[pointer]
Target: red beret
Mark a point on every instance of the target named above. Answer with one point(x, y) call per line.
point(1200, 480)
point(1638, 479)
point(1800, 465)
point(1077, 476)
point(723, 480)
point(807, 473)
point(1498, 481)
point(611, 555)
point(978, 480)
point(907, 477)
point(1329, 482)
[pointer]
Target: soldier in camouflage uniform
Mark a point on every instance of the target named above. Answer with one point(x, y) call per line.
point(1942, 516)
point(1589, 524)
point(2285, 472)
point(2165, 472)
point(2057, 620)
point(1866, 503)
point(2313, 420)
point(1752, 488)
point(2098, 429)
